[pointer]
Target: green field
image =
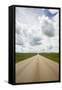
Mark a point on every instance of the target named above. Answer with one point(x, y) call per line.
point(52, 56)
point(23, 56)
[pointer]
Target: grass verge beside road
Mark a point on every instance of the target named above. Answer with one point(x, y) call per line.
point(23, 56)
point(52, 56)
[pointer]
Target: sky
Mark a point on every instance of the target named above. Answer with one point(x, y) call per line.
point(37, 30)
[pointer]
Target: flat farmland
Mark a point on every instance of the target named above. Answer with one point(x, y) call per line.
point(23, 56)
point(51, 56)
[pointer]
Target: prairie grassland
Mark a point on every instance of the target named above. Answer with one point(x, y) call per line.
point(52, 56)
point(23, 56)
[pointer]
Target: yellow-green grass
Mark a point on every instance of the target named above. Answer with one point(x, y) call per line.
point(23, 56)
point(52, 56)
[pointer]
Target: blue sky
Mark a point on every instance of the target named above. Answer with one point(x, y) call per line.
point(37, 30)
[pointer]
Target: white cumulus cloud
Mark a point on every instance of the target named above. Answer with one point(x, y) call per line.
point(36, 32)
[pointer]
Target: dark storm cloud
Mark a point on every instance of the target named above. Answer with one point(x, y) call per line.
point(50, 47)
point(25, 32)
point(18, 30)
point(19, 40)
point(35, 41)
point(48, 29)
point(19, 43)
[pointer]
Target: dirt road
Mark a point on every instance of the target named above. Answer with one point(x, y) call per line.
point(37, 69)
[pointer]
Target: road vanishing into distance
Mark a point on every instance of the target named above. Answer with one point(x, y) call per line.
point(37, 69)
